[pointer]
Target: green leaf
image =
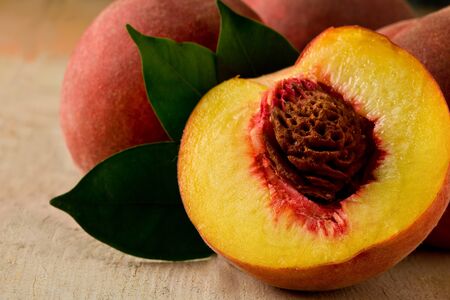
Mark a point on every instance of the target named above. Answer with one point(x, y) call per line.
point(132, 203)
point(176, 77)
point(248, 48)
point(131, 200)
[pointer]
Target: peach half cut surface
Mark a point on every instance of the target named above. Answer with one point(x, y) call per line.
point(324, 174)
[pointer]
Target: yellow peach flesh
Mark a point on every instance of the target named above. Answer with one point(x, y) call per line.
point(229, 205)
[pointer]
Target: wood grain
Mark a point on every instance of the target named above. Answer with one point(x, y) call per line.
point(45, 255)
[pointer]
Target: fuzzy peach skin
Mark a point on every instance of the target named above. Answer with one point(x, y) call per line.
point(104, 106)
point(428, 39)
point(388, 218)
point(302, 20)
point(393, 29)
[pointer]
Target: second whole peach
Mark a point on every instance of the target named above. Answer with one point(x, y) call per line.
point(104, 106)
point(301, 20)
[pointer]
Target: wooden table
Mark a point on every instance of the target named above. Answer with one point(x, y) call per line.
point(45, 255)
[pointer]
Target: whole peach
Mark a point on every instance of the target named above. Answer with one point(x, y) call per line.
point(301, 20)
point(104, 106)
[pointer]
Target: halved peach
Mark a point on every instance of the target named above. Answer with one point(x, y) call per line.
point(324, 174)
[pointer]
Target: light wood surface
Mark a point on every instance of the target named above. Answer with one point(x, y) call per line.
point(45, 255)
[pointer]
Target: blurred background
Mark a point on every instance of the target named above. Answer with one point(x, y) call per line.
point(33, 27)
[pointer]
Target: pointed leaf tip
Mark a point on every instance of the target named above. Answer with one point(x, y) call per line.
point(56, 202)
point(131, 202)
point(134, 34)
